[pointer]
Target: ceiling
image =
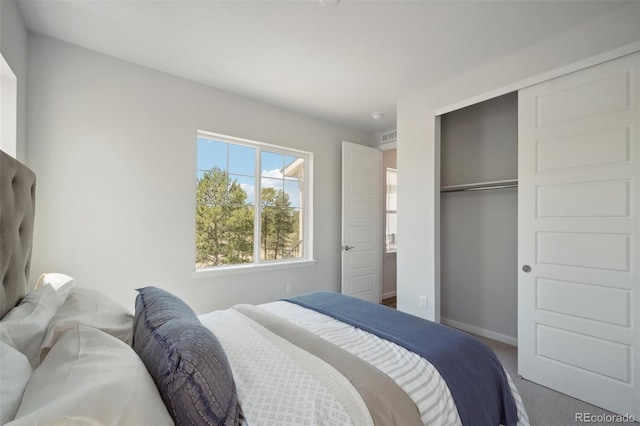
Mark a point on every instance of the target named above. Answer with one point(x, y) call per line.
point(338, 63)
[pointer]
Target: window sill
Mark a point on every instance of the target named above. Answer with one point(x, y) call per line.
point(249, 268)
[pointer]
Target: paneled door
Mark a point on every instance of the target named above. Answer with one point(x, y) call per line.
point(361, 221)
point(579, 234)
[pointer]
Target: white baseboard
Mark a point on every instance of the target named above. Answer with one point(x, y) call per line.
point(389, 294)
point(480, 331)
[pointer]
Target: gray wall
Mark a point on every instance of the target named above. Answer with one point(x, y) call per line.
point(13, 44)
point(479, 143)
point(113, 145)
point(479, 229)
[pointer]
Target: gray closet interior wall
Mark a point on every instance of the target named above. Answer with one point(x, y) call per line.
point(478, 229)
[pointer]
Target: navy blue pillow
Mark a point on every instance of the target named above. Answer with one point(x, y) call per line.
point(185, 359)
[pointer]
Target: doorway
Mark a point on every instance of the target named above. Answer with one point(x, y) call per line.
point(389, 226)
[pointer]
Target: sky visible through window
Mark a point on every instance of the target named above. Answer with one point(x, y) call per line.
point(239, 162)
point(236, 223)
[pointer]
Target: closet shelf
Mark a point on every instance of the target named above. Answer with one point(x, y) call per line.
point(481, 186)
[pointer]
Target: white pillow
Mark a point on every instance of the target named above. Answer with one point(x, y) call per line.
point(60, 282)
point(91, 308)
point(15, 371)
point(90, 377)
point(27, 323)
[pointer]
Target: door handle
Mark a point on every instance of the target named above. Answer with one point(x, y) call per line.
point(347, 248)
point(526, 268)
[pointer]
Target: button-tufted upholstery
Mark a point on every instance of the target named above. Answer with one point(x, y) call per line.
point(17, 208)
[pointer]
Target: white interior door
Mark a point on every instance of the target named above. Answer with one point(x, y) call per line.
point(361, 218)
point(579, 233)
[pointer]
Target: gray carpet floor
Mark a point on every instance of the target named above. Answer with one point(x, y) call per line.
point(544, 406)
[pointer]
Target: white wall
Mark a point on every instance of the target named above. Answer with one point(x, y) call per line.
point(418, 155)
point(13, 45)
point(113, 146)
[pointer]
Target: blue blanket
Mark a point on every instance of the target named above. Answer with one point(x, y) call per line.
point(475, 377)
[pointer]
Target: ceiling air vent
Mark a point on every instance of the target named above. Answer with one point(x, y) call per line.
point(388, 136)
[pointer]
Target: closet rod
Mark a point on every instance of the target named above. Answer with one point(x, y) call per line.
point(481, 186)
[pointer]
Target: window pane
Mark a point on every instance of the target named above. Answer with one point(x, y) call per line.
point(242, 160)
point(293, 193)
point(295, 247)
point(211, 154)
point(392, 231)
point(212, 188)
point(272, 191)
point(224, 235)
point(392, 201)
point(294, 168)
point(241, 190)
point(272, 164)
point(392, 190)
point(227, 198)
point(281, 233)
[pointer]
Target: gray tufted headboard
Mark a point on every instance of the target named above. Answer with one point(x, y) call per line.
point(17, 208)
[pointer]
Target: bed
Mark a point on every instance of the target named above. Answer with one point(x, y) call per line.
point(71, 355)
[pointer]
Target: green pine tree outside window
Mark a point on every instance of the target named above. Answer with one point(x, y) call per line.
point(226, 201)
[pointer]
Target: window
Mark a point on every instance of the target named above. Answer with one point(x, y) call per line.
point(9, 108)
point(391, 210)
point(252, 202)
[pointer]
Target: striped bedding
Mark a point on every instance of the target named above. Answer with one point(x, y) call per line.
point(414, 374)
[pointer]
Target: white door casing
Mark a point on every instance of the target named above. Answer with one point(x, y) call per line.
point(361, 218)
point(579, 231)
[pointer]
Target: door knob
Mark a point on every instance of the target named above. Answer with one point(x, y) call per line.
point(526, 268)
point(347, 248)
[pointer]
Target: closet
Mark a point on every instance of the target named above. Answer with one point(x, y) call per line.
point(554, 263)
point(478, 218)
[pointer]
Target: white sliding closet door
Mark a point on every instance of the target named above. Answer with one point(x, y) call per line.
point(579, 234)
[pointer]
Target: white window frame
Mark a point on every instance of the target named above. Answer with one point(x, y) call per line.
point(387, 210)
point(306, 206)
